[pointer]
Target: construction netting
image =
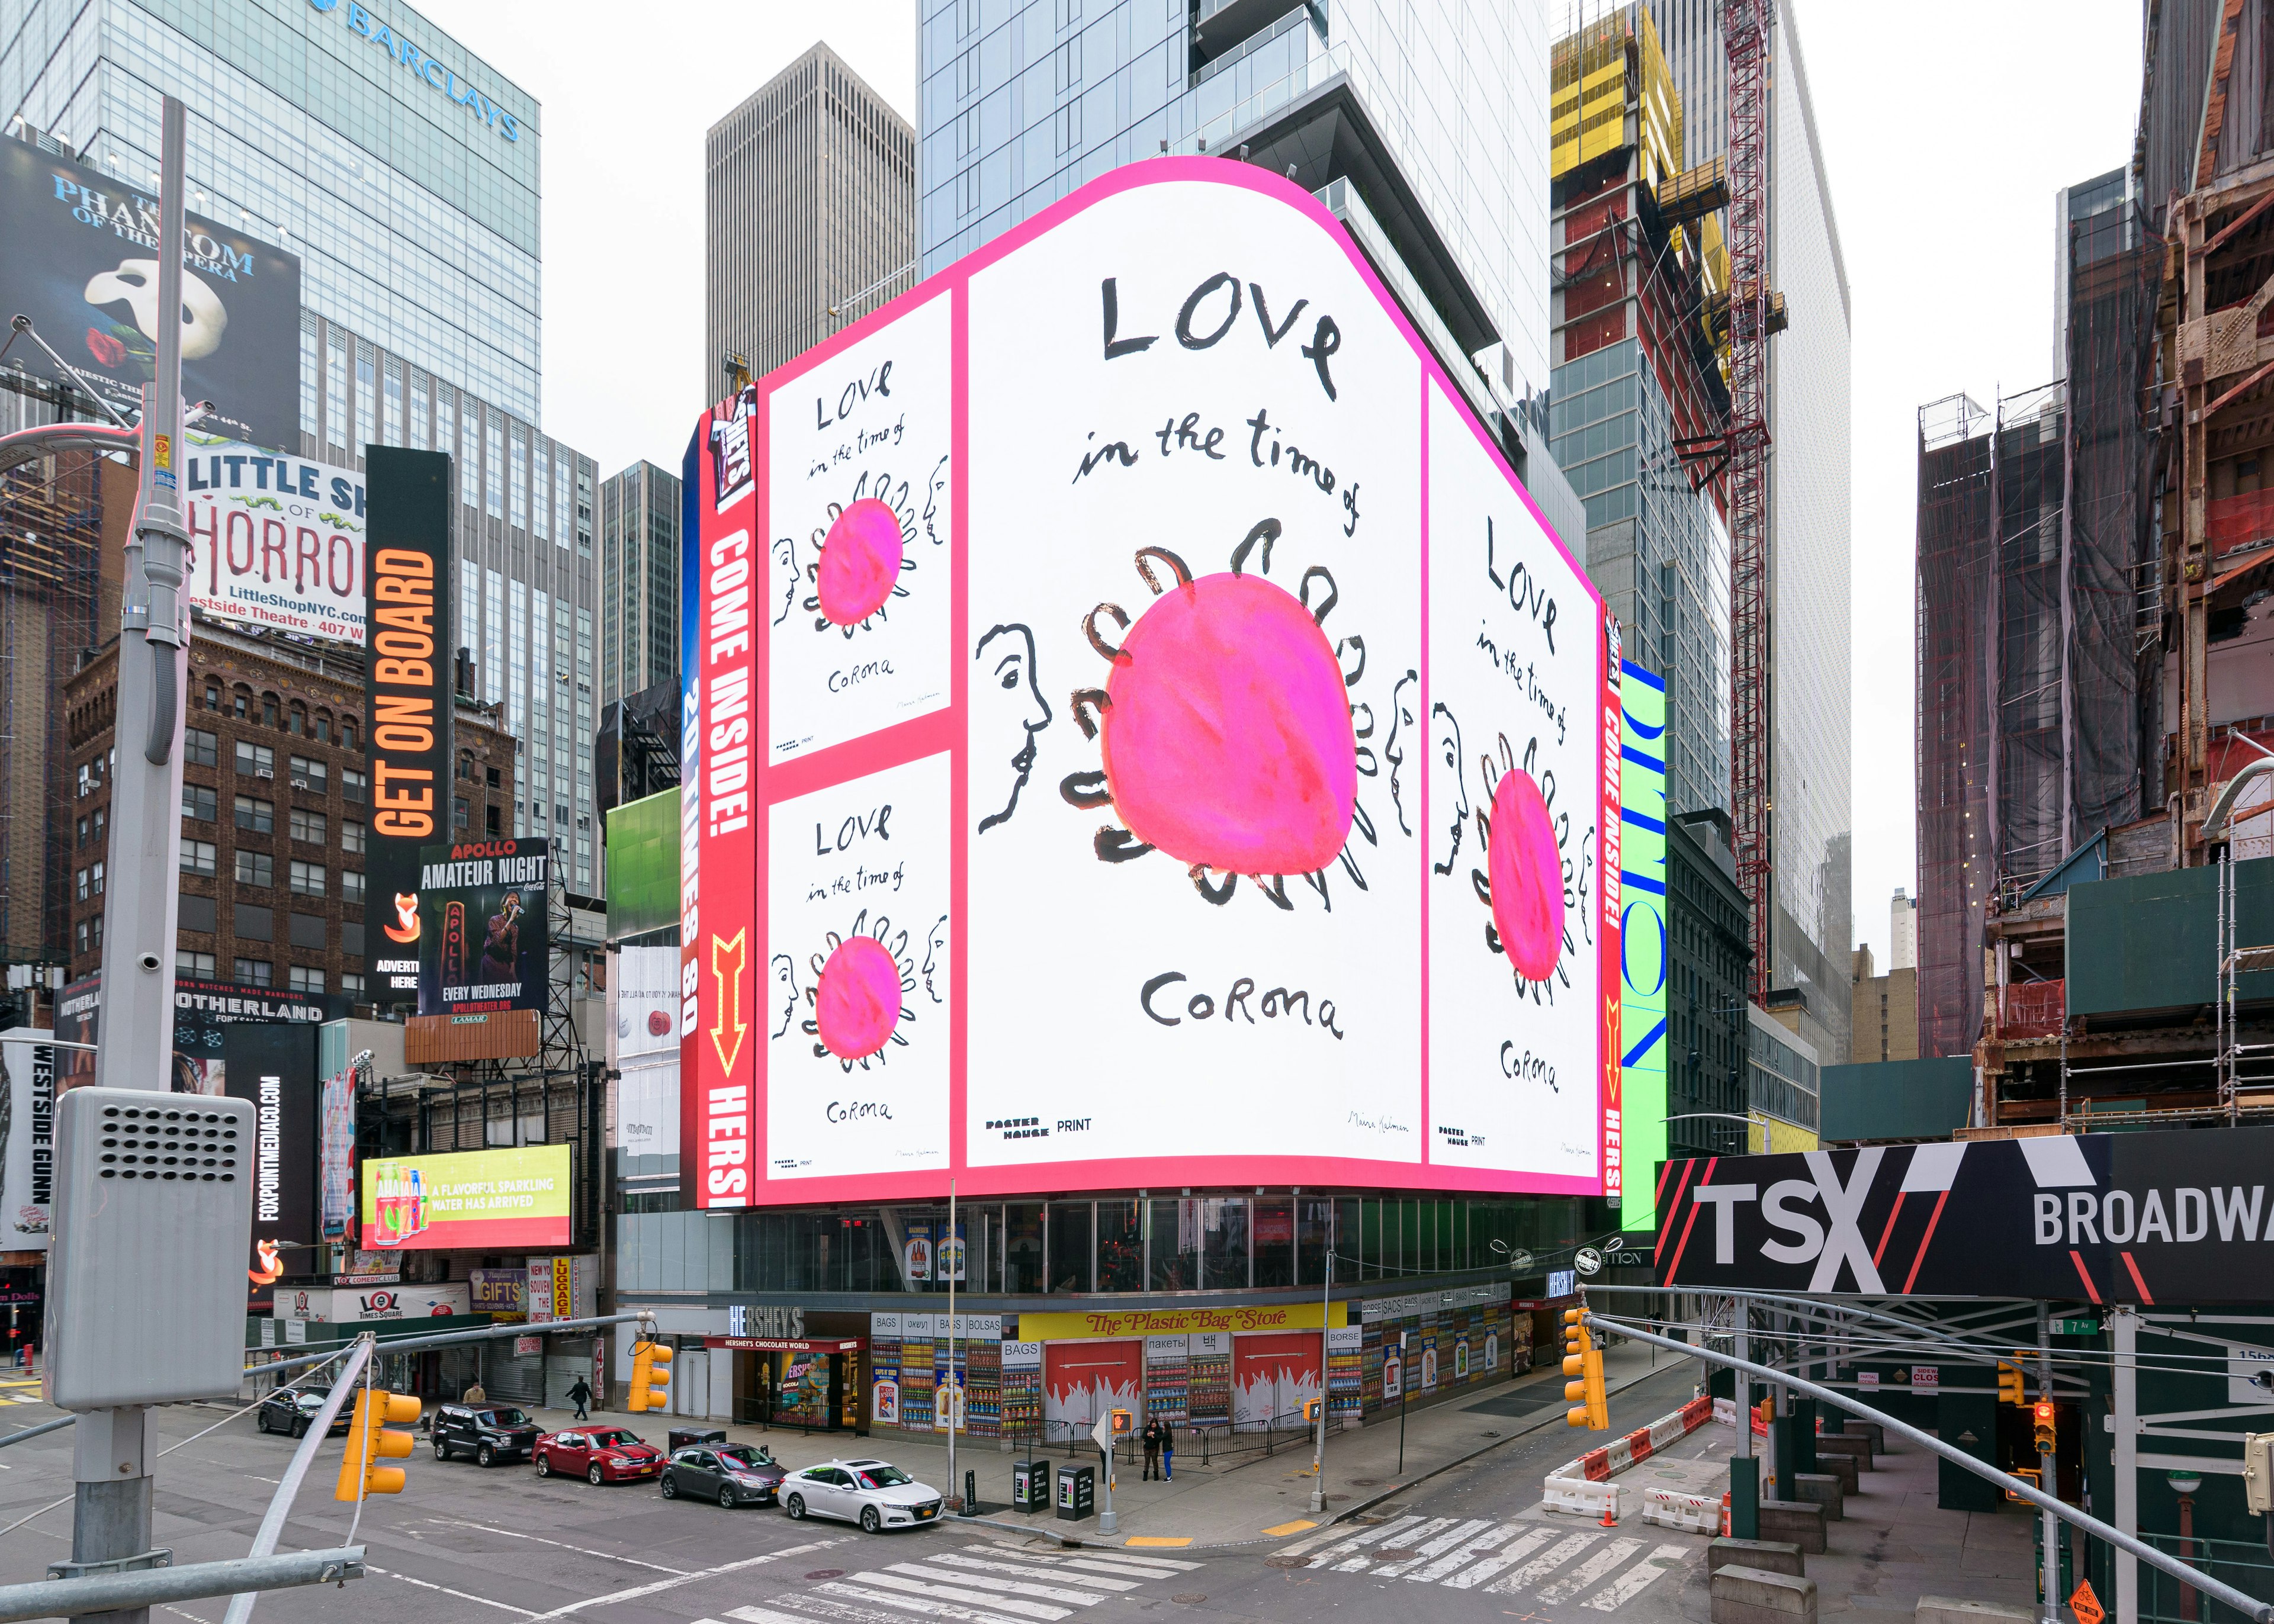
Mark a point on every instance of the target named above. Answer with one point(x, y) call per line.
point(2028, 765)
point(1957, 553)
point(2114, 633)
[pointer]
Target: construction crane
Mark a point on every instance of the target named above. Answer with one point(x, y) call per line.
point(1747, 28)
point(1739, 456)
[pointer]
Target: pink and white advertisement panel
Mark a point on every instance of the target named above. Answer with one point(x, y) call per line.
point(1184, 755)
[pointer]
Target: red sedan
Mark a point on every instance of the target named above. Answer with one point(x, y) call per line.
point(605, 1454)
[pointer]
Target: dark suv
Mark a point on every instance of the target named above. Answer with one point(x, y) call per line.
point(489, 1432)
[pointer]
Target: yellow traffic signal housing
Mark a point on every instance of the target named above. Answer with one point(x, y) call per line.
point(650, 1377)
point(1310, 1409)
point(2010, 1385)
point(1591, 1408)
point(370, 1440)
point(2041, 1419)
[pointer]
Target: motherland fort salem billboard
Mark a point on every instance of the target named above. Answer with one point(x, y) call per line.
point(1136, 730)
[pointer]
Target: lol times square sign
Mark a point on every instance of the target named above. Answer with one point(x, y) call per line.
point(1137, 731)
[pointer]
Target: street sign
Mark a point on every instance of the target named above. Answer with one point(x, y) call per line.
point(1520, 1261)
point(1927, 1377)
point(1102, 1432)
point(2077, 1327)
point(2086, 1605)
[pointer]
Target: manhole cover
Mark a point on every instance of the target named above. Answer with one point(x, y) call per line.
point(1285, 1561)
point(826, 1573)
point(1488, 1434)
point(1364, 1483)
point(1398, 1554)
point(1191, 1598)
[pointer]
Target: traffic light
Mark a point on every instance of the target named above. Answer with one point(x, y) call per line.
point(1310, 1409)
point(650, 1377)
point(2009, 1384)
point(1582, 1359)
point(370, 1440)
point(2041, 1417)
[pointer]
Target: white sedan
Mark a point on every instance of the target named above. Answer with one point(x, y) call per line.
point(875, 1494)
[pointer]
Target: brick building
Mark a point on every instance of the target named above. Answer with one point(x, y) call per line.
point(274, 789)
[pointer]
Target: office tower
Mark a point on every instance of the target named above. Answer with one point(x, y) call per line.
point(1810, 538)
point(639, 581)
point(1902, 932)
point(404, 172)
point(809, 215)
point(1436, 159)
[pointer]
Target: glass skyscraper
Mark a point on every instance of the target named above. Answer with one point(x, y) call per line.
point(403, 171)
point(1432, 114)
point(399, 167)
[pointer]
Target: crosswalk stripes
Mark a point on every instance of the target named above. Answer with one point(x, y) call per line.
point(1631, 1583)
point(973, 1585)
point(1506, 1559)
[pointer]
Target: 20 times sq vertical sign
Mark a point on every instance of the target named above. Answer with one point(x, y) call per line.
point(1642, 937)
point(720, 863)
point(407, 695)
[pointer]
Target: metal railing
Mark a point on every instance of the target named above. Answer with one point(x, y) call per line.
point(2239, 1562)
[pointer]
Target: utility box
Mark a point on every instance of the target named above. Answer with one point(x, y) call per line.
point(153, 1226)
point(1077, 1492)
point(1030, 1485)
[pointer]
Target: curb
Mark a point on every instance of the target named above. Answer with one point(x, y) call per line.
point(1326, 1520)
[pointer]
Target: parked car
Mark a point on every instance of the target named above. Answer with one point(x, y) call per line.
point(732, 1474)
point(875, 1494)
point(603, 1455)
point(489, 1432)
point(292, 1410)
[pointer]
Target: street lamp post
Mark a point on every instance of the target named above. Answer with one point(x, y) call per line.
point(1325, 1372)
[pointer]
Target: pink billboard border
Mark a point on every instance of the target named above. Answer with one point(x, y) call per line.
point(945, 730)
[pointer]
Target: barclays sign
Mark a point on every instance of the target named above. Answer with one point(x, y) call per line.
point(437, 76)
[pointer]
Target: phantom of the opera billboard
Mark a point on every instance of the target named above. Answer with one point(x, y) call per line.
point(1137, 730)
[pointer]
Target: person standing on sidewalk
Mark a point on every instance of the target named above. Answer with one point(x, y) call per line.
point(580, 1396)
point(1152, 1437)
point(1168, 1453)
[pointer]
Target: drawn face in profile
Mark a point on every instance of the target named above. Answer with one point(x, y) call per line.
point(1451, 789)
point(785, 568)
point(785, 975)
point(1007, 709)
point(1402, 701)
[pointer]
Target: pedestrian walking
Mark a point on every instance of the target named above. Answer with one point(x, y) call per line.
point(1152, 1437)
point(580, 1396)
point(1168, 1453)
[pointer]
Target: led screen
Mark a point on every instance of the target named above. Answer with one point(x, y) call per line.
point(1137, 730)
point(491, 1199)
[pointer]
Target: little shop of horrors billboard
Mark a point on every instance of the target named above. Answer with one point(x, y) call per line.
point(1119, 671)
point(2179, 1217)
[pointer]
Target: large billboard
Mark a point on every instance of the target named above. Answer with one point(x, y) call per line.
point(493, 1199)
point(27, 1139)
point(273, 1065)
point(1136, 730)
point(203, 1010)
point(275, 541)
point(2143, 1218)
point(407, 688)
point(1642, 937)
point(78, 255)
point(643, 842)
point(482, 937)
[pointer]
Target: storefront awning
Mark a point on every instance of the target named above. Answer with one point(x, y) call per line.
point(789, 1344)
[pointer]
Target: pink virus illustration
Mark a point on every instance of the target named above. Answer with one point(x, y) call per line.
point(856, 1004)
point(858, 561)
point(1229, 739)
point(1522, 882)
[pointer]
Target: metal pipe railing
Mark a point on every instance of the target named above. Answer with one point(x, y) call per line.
point(2020, 1488)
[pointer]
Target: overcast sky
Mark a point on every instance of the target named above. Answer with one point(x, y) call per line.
point(1947, 127)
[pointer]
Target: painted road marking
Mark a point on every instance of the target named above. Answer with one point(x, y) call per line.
point(1587, 1572)
point(1472, 1577)
point(1281, 1531)
point(506, 1533)
point(1042, 1610)
point(637, 1591)
point(426, 1585)
point(1434, 1547)
point(1360, 1562)
point(956, 1559)
point(1462, 1555)
point(903, 1603)
point(1138, 1566)
point(1008, 1587)
point(1162, 1539)
point(1372, 1535)
point(1632, 1582)
point(1533, 1571)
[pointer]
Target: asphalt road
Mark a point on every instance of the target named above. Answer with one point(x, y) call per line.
point(466, 1544)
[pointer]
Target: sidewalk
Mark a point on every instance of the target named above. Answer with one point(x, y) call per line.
point(1254, 1498)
